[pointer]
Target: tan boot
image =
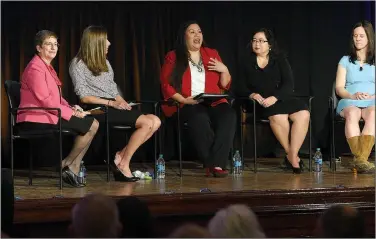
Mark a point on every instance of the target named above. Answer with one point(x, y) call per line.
point(354, 143)
point(365, 146)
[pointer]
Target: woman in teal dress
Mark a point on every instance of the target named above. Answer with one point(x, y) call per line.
point(355, 85)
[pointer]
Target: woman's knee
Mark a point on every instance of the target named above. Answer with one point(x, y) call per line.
point(352, 115)
point(156, 121)
point(94, 126)
point(369, 116)
point(277, 119)
point(304, 115)
point(144, 122)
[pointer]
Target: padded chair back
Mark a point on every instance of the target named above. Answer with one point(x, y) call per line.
point(335, 97)
point(12, 89)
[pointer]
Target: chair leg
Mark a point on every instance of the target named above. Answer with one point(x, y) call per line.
point(310, 146)
point(241, 138)
point(60, 160)
point(30, 164)
point(12, 156)
point(179, 143)
point(333, 156)
point(107, 139)
point(254, 138)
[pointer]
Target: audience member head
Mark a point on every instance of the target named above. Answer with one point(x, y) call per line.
point(235, 221)
point(264, 43)
point(363, 38)
point(135, 217)
point(341, 221)
point(94, 48)
point(95, 215)
point(189, 38)
point(190, 231)
point(46, 45)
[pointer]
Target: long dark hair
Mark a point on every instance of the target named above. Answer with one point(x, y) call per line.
point(274, 49)
point(181, 53)
point(370, 55)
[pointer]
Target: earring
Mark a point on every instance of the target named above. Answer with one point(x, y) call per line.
point(270, 49)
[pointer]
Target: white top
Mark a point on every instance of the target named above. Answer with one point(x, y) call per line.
point(197, 80)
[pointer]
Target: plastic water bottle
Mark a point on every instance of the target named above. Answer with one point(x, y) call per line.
point(237, 161)
point(82, 173)
point(318, 161)
point(160, 167)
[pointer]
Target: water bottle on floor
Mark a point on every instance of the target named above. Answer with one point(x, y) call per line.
point(160, 165)
point(237, 161)
point(82, 173)
point(318, 161)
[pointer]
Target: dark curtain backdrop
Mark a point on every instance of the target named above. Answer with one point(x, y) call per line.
point(314, 34)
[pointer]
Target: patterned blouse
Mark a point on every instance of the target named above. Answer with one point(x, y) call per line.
point(86, 84)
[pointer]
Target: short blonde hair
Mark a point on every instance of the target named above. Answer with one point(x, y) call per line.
point(93, 49)
point(235, 221)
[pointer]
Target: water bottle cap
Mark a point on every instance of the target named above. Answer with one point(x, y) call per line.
point(160, 155)
point(318, 149)
point(237, 151)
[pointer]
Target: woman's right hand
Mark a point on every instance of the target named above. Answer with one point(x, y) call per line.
point(117, 105)
point(257, 97)
point(79, 114)
point(190, 101)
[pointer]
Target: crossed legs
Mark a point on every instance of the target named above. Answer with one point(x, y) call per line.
point(80, 146)
point(281, 128)
point(146, 125)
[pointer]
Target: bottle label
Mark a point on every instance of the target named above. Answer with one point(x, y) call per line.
point(238, 164)
point(160, 168)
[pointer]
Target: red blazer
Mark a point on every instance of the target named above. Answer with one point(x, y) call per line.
point(40, 88)
point(212, 79)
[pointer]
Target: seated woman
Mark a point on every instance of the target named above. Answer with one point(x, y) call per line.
point(187, 71)
point(93, 80)
point(355, 84)
point(41, 87)
point(268, 79)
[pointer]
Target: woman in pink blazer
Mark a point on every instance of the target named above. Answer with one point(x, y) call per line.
point(41, 87)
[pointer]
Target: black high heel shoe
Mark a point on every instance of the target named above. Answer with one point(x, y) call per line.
point(294, 170)
point(119, 176)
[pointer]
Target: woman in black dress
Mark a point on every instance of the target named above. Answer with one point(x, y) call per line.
point(268, 79)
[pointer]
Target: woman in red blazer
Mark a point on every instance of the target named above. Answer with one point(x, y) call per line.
point(41, 87)
point(192, 69)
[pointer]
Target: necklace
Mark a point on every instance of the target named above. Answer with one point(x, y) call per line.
point(199, 65)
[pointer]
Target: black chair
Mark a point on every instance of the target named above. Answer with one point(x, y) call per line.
point(335, 119)
point(12, 89)
point(256, 120)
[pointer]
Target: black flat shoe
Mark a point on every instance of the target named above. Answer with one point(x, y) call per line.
point(72, 179)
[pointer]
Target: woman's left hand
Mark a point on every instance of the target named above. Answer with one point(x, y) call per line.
point(215, 65)
point(269, 101)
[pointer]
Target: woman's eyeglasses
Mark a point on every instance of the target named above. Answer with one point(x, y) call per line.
point(261, 41)
point(50, 44)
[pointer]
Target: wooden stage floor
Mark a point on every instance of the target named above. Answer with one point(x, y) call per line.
point(196, 197)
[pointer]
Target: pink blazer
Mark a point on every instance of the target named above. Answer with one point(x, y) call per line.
point(40, 87)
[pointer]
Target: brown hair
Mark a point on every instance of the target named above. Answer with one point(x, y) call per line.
point(93, 49)
point(43, 35)
point(370, 55)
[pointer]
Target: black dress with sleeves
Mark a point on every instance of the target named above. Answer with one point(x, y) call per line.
point(275, 79)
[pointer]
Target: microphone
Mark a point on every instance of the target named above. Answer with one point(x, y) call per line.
point(361, 68)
